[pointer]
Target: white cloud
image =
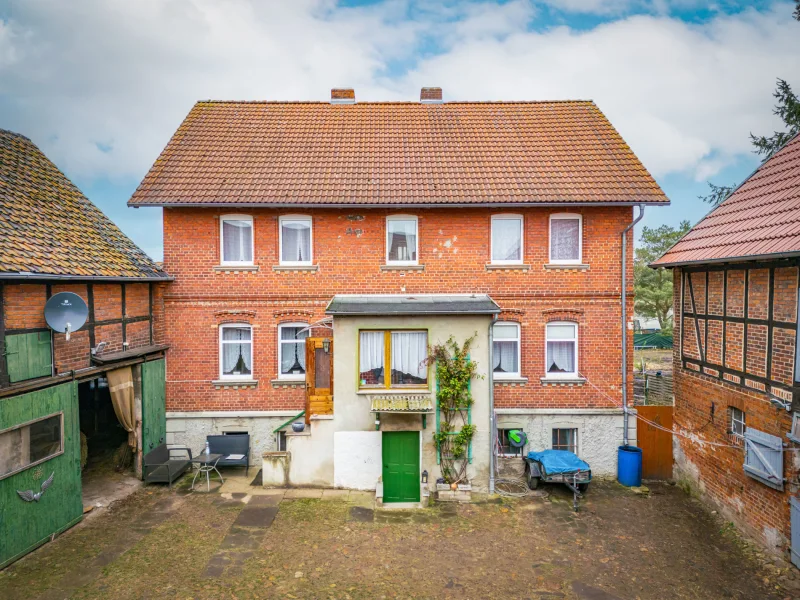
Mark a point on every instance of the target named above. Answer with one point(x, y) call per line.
point(102, 84)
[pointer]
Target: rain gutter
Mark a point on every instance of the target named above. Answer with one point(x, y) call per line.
point(625, 413)
point(492, 416)
point(104, 278)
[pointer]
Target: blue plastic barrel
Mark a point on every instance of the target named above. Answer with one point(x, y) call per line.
point(629, 466)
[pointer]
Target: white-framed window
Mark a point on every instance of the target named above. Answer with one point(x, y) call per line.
point(402, 240)
point(507, 236)
point(236, 240)
point(406, 352)
point(296, 240)
point(565, 439)
point(236, 351)
point(566, 239)
point(561, 350)
point(506, 350)
point(31, 443)
point(738, 425)
point(506, 449)
point(292, 350)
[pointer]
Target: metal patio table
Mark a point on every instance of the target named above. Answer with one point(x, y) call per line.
point(205, 464)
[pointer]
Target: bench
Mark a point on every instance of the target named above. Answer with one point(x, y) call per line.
point(231, 444)
point(165, 465)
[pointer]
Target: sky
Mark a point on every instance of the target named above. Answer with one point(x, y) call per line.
point(101, 85)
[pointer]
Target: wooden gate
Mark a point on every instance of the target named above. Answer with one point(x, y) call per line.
point(154, 416)
point(319, 377)
point(655, 443)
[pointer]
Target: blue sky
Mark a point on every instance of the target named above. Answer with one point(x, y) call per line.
point(101, 85)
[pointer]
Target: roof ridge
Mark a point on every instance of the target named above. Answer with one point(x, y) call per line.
point(408, 102)
point(15, 134)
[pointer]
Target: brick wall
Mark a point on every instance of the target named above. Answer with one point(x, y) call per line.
point(718, 471)
point(24, 310)
point(349, 248)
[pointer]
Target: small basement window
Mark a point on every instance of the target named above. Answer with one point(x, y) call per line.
point(31, 443)
point(565, 439)
point(506, 449)
point(737, 421)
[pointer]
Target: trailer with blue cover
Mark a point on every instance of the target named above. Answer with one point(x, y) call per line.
point(558, 466)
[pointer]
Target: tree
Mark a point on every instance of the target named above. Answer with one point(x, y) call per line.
point(653, 287)
point(788, 109)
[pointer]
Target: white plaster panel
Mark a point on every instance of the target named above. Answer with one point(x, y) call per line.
point(357, 459)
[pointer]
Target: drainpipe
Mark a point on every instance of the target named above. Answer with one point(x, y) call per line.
point(492, 417)
point(625, 414)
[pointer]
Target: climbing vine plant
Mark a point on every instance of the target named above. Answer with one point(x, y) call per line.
point(454, 371)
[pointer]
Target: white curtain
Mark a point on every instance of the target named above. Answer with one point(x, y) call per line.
point(560, 357)
point(371, 346)
point(506, 239)
point(293, 348)
point(409, 350)
point(296, 241)
point(236, 351)
point(403, 240)
point(505, 357)
point(237, 241)
point(565, 239)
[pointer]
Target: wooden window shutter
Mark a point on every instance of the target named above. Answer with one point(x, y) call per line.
point(763, 458)
point(28, 356)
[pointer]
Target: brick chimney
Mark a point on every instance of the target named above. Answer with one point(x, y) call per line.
point(343, 96)
point(430, 94)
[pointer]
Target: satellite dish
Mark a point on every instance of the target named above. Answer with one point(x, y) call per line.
point(65, 312)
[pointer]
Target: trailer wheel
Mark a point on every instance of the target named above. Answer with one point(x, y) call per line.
point(533, 482)
point(582, 487)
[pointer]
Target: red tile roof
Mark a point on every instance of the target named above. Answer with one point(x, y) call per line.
point(761, 219)
point(49, 228)
point(396, 153)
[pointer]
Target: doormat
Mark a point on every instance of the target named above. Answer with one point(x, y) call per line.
point(257, 481)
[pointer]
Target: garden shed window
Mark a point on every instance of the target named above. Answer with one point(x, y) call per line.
point(507, 239)
point(561, 350)
point(565, 439)
point(236, 351)
point(401, 240)
point(295, 241)
point(236, 234)
point(405, 351)
point(506, 350)
point(292, 350)
point(737, 422)
point(30, 443)
point(566, 238)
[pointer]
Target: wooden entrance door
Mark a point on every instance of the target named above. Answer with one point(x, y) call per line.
point(655, 443)
point(401, 466)
point(154, 415)
point(319, 377)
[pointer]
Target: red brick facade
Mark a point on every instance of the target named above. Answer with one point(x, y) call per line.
point(700, 389)
point(349, 251)
point(23, 310)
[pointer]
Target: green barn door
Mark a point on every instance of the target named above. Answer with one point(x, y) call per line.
point(154, 415)
point(401, 466)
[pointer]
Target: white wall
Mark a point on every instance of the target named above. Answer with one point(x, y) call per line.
point(357, 459)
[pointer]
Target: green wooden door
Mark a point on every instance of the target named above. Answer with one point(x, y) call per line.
point(401, 466)
point(28, 356)
point(154, 415)
point(48, 443)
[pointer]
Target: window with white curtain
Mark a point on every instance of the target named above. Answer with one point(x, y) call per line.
point(566, 239)
point(406, 353)
point(401, 240)
point(292, 350)
point(236, 237)
point(295, 240)
point(507, 239)
point(236, 351)
point(561, 350)
point(506, 350)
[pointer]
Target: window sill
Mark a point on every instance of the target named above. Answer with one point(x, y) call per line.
point(509, 380)
point(402, 267)
point(385, 391)
point(309, 268)
point(499, 267)
point(566, 267)
point(563, 381)
point(276, 383)
point(235, 383)
point(229, 268)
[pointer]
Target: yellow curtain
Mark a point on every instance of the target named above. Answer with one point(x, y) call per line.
point(120, 384)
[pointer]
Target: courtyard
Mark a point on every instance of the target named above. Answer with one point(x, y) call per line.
point(242, 541)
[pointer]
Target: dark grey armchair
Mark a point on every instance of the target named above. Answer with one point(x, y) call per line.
point(231, 444)
point(165, 465)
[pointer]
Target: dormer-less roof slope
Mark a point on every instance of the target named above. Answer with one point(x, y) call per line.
point(760, 220)
point(398, 154)
point(49, 228)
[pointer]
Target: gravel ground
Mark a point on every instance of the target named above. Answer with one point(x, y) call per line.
point(170, 544)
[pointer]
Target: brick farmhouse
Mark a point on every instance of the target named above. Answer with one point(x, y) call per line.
point(735, 356)
point(381, 228)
